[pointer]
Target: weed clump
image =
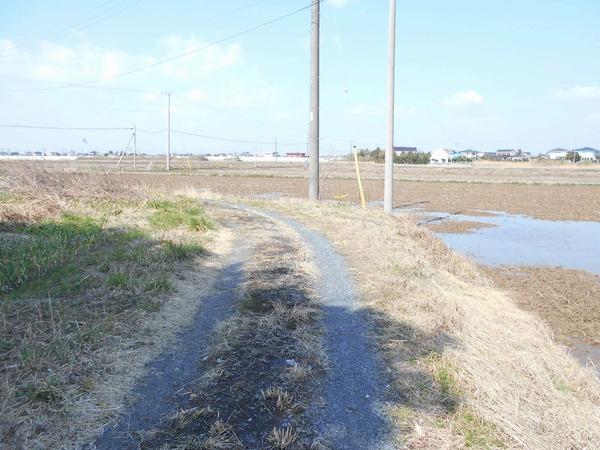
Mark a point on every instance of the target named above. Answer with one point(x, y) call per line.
point(183, 212)
point(35, 250)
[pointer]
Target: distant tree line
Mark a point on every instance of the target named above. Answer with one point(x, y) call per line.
point(378, 156)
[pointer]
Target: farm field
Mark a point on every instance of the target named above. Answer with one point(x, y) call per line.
point(547, 191)
point(129, 270)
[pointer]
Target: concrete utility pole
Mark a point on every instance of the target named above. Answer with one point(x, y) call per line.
point(168, 94)
point(313, 151)
point(388, 192)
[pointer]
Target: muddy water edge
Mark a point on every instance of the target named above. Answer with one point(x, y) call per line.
point(551, 268)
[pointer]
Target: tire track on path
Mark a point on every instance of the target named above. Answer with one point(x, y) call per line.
point(350, 416)
point(156, 395)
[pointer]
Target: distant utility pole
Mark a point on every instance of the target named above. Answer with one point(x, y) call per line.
point(313, 151)
point(168, 94)
point(134, 146)
point(388, 191)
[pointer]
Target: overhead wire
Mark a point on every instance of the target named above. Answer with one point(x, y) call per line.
point(82, 25)
point(181, 55)
point(90, 84)
point(107, 88)
point(140, 130)
point(42, 127)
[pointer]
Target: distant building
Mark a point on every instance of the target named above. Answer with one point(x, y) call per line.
point(296, 155)
point(508, 153)
point(469, 154)
point(441, 156)
point(405, 150)
point(557, 153)
point(512, 155)
point(588, 153)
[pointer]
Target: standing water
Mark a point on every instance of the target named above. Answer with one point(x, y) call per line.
point(519, 240)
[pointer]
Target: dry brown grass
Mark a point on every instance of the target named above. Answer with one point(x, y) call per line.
point(556, 192)
point(470, 368)
point(76, 337)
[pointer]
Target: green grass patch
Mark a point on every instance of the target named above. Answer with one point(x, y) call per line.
point(118, 280)
point(43, 392)
point(159, 283)
point(477, 432)
point(180, 251)
point(183, 212)
point(43, 247)
point(5, 197)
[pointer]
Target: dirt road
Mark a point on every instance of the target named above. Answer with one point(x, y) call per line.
point(278, 355)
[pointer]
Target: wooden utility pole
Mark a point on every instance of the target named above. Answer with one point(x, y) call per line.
point(388, 191)
point(313, 152)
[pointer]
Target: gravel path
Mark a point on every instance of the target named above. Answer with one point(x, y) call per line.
point(350, 414)
point(156, 395)
point(354, 390)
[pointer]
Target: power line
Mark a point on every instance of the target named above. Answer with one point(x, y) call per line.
point(239, 141)
point(41, 127)
point(185, 133)
point(40, 33)
point(181, 55)
point(152, 132)
point(86, 23)
point(63, 84)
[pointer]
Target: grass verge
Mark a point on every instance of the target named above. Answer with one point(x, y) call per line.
point(470, 369)
point(78, 283)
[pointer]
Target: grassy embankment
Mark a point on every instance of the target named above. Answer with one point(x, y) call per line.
point(81, 273)
point(468, 367)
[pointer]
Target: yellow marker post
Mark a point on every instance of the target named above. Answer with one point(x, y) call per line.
point(363, 203)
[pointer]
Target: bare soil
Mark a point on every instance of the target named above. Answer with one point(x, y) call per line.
point(568, 300)
point(553, 191)
point(553, 202)
point(454, 226)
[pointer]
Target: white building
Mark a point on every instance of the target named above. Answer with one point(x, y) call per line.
point(441, 156)
point(588, 154)
point(557, 153)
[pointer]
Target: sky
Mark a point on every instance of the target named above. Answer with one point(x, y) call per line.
point(470, 74)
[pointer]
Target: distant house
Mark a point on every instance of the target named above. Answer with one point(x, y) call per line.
point(405, 150)
point(296, 155)
point(441, 156)
point(588, 153)
point(469, 154)
point(557, 153)
point(508, 153)
point(512, 155)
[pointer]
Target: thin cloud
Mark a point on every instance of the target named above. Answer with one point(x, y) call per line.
point(579, 93)
point(464, 98)
point(340, 3)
